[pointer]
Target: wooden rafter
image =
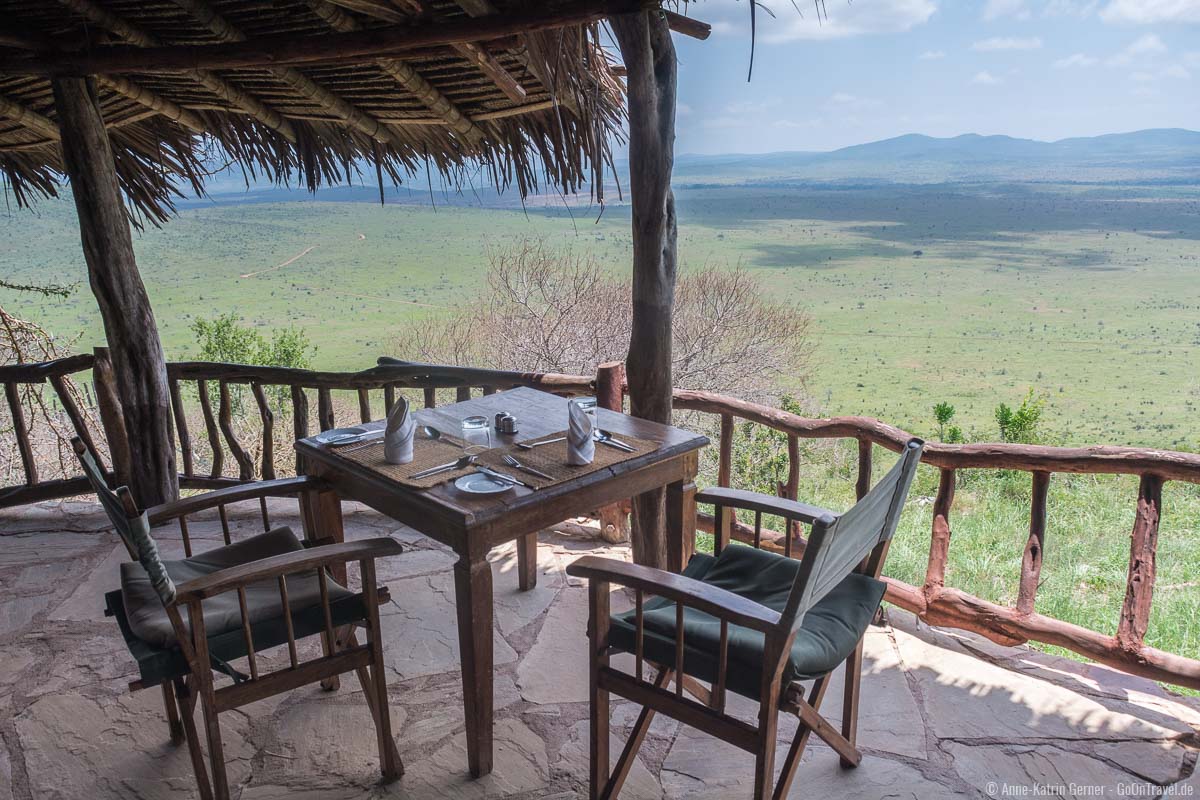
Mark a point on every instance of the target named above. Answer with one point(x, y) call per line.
point(477, 55)
point(404, 74)
point(285, 50)
point(154, 102)
point(336, 104)
point(29, 40)
point(30, 119)
point(239, 98)
point(485, 8)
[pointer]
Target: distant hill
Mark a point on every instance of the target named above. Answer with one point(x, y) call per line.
point(1169, 154)
point(1166, 155)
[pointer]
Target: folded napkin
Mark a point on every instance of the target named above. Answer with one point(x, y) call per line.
point(398, 435)
point(581, 447)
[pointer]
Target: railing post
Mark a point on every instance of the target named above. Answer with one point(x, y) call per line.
point(1031, 562)
point(1143, 546)
point(863, 485)
point(112, 418)
point(939, 545)
point(21, 430)
point(610, 394)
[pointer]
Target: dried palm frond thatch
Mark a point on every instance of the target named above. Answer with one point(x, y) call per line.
point(539, 107)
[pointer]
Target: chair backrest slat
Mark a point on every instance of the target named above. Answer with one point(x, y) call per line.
point(133, 527)
point(839, 544)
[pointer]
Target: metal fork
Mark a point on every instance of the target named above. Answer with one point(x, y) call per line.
point(512, 462)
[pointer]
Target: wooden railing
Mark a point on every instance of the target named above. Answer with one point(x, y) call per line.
point(939, 604)
point(375, 389)
point(212, 387)
point(933, 601)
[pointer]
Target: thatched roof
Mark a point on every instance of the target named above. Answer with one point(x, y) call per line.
point(307, 91)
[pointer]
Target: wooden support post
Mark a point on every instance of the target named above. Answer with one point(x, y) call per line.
point(139, 366)
point(610, 394)
point(649, 55)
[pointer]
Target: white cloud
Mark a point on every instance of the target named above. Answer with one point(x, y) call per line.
point(791, 124)
point(995, 9)
point(1075, 60)
point(1146, 45)
point(1024, 10)
point(1176, 71)
point(1070, 8)
point(1007, 43)
point(1147, 12)
point(724, 122)
point(932, 55)
point(986, 78)
point(846, 19)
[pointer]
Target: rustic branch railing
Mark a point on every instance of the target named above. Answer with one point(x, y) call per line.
point(939, 604)
point(933, 601)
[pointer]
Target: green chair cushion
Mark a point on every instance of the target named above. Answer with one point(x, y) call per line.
point(829, 633)
point(151, 638)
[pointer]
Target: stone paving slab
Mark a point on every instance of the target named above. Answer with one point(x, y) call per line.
point(943, 713)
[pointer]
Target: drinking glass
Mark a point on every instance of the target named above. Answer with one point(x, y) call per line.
point(476, 431)
point(588, 404)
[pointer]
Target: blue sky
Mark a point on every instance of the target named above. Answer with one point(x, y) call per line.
point(871, 69)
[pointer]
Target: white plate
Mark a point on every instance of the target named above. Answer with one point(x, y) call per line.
point(478, 483)
point(339, 435)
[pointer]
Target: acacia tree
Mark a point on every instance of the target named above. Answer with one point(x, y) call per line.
point(557, 310)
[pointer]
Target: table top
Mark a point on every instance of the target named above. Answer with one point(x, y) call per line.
point(538, 414)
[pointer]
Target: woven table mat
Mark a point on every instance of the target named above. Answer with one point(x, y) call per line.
point(550, 459)
point(426, 453)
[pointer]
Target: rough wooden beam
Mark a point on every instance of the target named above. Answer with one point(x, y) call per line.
point(155, 102)
point(405, 75)
point(485, 8)
point(139, 366)
point(288, 50)
point(489, 66)
point(687, 25)
point(474, 53)
point(246, 102)
point(38, 123)
point(337, 105)
point(649, 54)
point(380, 9)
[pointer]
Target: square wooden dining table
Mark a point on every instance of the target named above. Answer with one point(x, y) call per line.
point(473, 525)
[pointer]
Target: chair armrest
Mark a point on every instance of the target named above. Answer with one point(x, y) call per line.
point(777, 506)
point(282, 487)
point(713, 600)
point(284, 564)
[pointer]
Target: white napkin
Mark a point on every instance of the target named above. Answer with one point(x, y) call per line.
point(581, 447)
point(398, 435)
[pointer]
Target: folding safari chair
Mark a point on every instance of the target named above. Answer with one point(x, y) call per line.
point(241, 599)
point(748, 621)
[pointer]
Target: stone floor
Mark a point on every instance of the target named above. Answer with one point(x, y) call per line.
point(943, 713)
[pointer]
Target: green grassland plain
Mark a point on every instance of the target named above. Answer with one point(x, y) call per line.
point(968, 293)
point(1088, 294)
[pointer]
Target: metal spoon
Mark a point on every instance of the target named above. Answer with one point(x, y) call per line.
point(604, 437)
point(461, 463)
point(431, 433)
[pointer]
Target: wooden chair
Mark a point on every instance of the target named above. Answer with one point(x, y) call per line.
point(240, 600)
point(749, 621)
